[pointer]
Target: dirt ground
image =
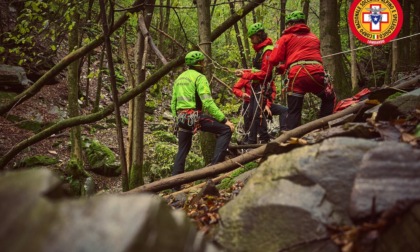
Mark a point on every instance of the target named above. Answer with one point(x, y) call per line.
point(49, 105)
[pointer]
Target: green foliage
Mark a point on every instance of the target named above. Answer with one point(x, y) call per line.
point(40, 24)
point(417, 131)
point(311, 105)
point(161, 153)
point(165, 136)
point(228, 182)
point(394, 96)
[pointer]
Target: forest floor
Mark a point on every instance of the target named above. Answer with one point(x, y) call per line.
point(50, 105)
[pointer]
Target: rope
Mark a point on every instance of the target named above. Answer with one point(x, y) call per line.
point(363, 47)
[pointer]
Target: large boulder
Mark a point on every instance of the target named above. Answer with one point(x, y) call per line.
point(289, 201)
point(36, 218)
point(388, 174)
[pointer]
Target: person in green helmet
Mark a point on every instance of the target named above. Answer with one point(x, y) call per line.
point(298, 51)
point(190, 96)
point(261, 82)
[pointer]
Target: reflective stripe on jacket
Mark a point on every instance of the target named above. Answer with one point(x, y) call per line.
point(191, 91)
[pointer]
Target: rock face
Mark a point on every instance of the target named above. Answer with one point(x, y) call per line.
point(387, 174)
point(291, 198)
point(34, 218)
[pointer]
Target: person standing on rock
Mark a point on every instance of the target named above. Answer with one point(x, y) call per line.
point(190, 95)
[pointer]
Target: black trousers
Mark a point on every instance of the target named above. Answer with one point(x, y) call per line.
point(258, 122)
point(295, 104)
point(185, 134)
point(281, 111)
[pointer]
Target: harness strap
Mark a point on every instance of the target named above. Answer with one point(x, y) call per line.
point(305, 62)
point(302, 64)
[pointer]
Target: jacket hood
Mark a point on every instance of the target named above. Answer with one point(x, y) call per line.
point(297, 28)
point(263, 44)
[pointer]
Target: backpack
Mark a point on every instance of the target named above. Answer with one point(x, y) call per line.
point(360, 96)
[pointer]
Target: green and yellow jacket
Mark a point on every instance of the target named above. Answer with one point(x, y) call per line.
point(191, 91)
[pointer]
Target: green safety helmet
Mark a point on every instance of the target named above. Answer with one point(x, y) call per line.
point(295, 16)
point(254, 28)
point(193, 57)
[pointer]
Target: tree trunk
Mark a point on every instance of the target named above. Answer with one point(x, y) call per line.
point(403, 48)
point(99, 87)
point(207, 140)
point(353, 62)
point(330, 44)
point(394, 62)
point(73, 94)
point(132, 83)
point(112, 78)
point(282, 16)
point(305, 8)
point(137, 144)
point(238, 37)
point(415, 41)
point(245, 35)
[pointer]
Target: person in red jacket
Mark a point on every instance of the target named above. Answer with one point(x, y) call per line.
point(242, 90)
point(260, 77)
point(299, 51)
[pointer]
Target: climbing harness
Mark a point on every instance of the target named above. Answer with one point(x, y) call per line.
point(189, 117)
point(302, 64)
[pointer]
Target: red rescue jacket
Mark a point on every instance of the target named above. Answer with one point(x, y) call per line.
point(244, 86)
point(297, 44)
point(266, 67)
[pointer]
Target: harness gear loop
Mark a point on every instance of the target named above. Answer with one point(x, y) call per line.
point(190, 117)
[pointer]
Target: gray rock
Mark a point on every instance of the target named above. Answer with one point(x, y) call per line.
point(13, 78)
point(291, 197)
point(403, 105)
point(31, 221)
point(388, 173)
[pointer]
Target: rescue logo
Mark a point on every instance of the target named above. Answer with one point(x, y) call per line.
point(375, 22)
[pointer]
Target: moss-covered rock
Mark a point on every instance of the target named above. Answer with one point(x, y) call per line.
point(37, 160)
point(228, 182)
point(165, 136)
point(101, 159)
point(159, 164)
point(32, 125)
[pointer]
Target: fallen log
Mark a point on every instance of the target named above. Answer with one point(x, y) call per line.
point(229, 165)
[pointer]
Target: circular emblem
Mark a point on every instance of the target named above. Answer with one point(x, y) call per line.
point(375, 22)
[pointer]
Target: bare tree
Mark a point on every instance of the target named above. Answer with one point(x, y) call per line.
point(137, 144)
point(331, 44)
point(73, 99)
point(207, 139)
point(112, 78)
point(238, 37)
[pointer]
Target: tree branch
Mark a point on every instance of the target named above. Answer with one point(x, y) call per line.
point(146, 34)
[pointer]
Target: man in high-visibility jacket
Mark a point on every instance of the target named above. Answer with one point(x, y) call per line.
point(191, 94)
point(298, 51)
